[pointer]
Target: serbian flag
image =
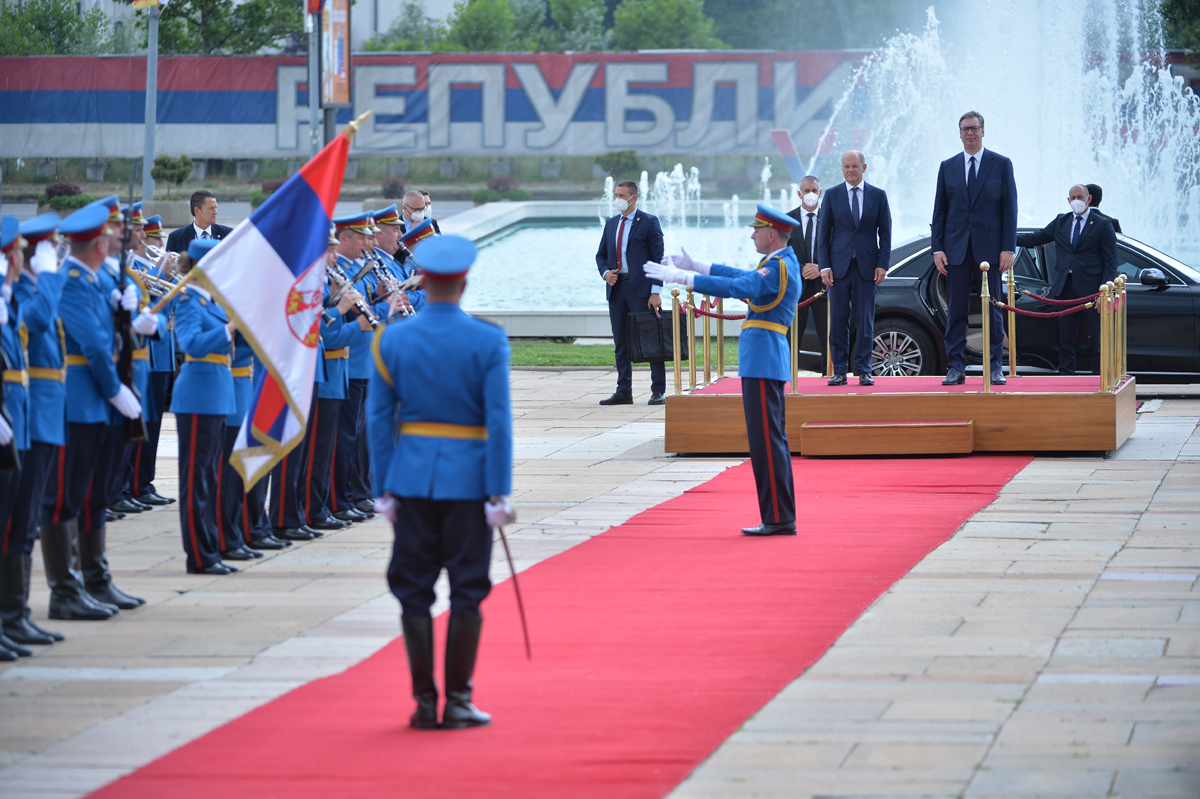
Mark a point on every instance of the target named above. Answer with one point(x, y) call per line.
point(269, 276)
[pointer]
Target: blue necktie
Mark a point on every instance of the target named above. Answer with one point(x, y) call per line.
point(1075, 232)
point(971, 177)
point(857, 206)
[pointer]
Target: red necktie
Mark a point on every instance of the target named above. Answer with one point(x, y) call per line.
point(620, 233)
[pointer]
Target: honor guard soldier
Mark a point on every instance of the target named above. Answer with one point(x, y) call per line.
point(162, 372)
point(202, 398)
point(764, 359)
point(93, 390)
point(231, 491)
point(35, 298)
point(440, 427)
point(14, 434)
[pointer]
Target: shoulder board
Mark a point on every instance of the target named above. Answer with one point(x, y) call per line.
point(183, 296)
point(73, 273)
point(202, 301)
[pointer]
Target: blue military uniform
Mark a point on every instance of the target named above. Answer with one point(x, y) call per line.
point(440, 428)
point(203, 397)
point(764, 364)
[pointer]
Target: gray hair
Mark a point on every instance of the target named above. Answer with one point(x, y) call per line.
point(862, 159)
point(810, 179)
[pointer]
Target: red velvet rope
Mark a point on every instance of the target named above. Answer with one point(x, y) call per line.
point(703, 309)
point(1022, 312)
point(1049, 301)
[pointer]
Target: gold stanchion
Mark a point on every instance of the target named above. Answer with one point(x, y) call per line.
point(986, 305)
point(1122, 330)
point(1114, 329)
point(1012, 324)
point(691, 323)
point(707, 346)
point(675, 338)
point(720, 339)
point(1105, 336)
point(828, 333)
point(794, 342)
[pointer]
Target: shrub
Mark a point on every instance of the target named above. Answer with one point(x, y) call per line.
point(270, 186)
point(393, 188)
point(621, 163)
point(503, 183)
point(171, 170)
point(481, 196)
point(518, 195)
point(59, 189)
point(65, 202)
point(257, 198)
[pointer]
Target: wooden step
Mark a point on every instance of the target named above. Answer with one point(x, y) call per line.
point(930, 437)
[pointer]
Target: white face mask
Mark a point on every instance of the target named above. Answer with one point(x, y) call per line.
point(417, 216)
point(622, 205)
point(1078, 206)
point(429, 211)
point(810, 199)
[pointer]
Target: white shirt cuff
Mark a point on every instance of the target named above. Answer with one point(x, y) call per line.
point(656, 289)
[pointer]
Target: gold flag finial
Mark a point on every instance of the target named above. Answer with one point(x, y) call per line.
point(352, 128)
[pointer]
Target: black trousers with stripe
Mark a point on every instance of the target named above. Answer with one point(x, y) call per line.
point(345, 451)
point(12, 540)
point(26, 515)
point(71, 475)
point(433, 534)
point(105, 486)
point(146, 453)
point(200, 440)
point(762, 401)
point(231, 494)
point(315, 484)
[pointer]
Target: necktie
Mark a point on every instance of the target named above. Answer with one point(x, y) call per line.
point(808, 239)
point(857, 206)
point(971, 177)
point(620, 234)
point(204, 234)
point(1075, 232)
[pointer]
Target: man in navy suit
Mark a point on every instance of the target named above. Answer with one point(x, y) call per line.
point(1085, 246)
point(974, 220)
point(631, 238)
point(204, 223)
point(855, 241)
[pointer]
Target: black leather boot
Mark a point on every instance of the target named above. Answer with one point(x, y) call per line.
point(418, 640)
point(12, 603)
point(93, 558)
point(28, 564)
point(68, 599)
point(462, 643)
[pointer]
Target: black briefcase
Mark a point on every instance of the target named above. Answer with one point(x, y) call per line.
point(650, 338)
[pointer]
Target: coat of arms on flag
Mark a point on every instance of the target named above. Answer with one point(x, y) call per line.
point(269, 275)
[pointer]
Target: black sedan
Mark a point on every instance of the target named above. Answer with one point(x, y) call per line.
point(910, 316)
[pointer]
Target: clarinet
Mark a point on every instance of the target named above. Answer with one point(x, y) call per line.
point(343, 283)
point(384, 277)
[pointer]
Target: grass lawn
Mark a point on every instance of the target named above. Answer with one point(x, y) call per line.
point(562, 352)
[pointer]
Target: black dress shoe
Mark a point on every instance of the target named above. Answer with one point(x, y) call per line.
point(216, 569)
point(328, 523)
point(12, 645)
point(125, 506)
point(111, 515)
point(998, 379)
point(153, 498)
point(866, 380)
point(8, 656)
point(23, 631)
point(837, 380)
point(657, 399)
point(270, 542)
point(366, 506)
point(55, 636)
point(618, 399)
point(954, 378)
point(241, 553)
point(351, 515)
point(771, 529)
point(314, 533)
point(292, 534)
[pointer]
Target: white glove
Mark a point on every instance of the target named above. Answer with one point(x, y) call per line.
point(687, 262)
point(114, 299)
point(499, 513)
point(5, 433)
point(668, 274)
point(126, 403)
point(386, 507)
point(129, 298)
point(45, 258)
point(146, 323)
point(3, 313)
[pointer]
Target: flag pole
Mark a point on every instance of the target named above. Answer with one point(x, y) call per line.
point(151, 118)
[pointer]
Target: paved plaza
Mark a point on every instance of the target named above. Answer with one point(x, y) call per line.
point(1050, 648)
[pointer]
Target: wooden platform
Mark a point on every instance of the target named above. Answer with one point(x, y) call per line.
point(931, 437)
point(1031, 414)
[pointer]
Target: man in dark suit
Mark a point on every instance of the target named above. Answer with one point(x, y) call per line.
point(803, 242)
point(631, 238)
point(429, 212)
point(855, 244)
point(974, 220)
point(204, 223)
point(1097, 195)
point(1085, 247)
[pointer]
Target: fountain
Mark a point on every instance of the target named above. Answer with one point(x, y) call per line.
point(1071, 92)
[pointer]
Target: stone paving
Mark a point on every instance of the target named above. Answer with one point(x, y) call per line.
point(1050, 648)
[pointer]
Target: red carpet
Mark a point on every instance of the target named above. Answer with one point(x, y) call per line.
point(1085, 384)
point(652, 643)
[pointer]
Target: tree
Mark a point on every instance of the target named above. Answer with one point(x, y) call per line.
point(582, 24)
point(411, 30)
point(484, 26)
point(662, 24)
point(171, 170)
point(1181, 24)
point(51, 27)
point(226, 27)
point(812, 24)
point(529, 25)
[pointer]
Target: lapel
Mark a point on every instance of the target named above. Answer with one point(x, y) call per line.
point(1083, 232)
point(984, 168)
point(846, 204)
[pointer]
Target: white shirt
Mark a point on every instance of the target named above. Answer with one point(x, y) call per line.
point(200, 231)
point(967, 163)
point(804, 221)
point(623, 243)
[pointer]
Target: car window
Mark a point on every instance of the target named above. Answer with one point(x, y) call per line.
point(1025, 266)
point(1131, 265)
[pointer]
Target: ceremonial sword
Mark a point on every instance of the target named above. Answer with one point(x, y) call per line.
point(517, 591)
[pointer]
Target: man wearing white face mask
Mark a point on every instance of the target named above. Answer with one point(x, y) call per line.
point(803, 242)
point(1085, 246)
point(413, 209)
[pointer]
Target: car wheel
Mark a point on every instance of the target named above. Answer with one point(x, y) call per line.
point(902, 349)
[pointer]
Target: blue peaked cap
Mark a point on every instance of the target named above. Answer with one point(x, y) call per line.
point(10, 228)
point(446, 257)
point(198, 248)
